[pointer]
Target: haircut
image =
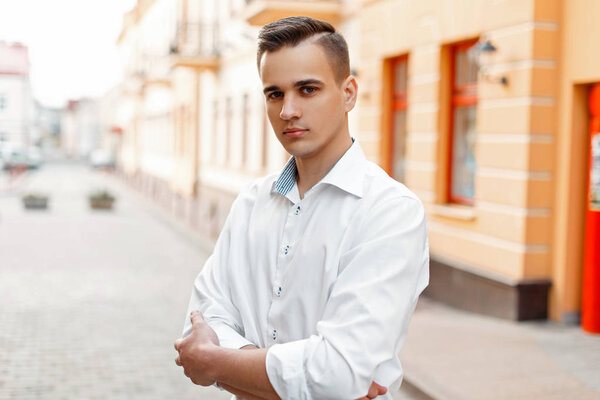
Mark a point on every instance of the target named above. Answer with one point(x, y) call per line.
point(292, 31)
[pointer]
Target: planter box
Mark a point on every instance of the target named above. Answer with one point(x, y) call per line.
point(101, 204)
point(38, 203)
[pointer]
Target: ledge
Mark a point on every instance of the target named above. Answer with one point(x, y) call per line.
point(261, 12)
point(197, 61)
point(454, 211)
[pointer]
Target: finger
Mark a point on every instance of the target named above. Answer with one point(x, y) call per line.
point(380, 389)
point(178, 361)
point(196, 316)
point(372, 391)
point(177, 344)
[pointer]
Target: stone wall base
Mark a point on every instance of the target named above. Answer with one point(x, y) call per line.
point(469, 291)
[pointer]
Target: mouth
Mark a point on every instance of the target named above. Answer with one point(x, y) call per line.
point(294, 132)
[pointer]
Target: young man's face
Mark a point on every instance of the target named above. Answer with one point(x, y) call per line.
point(306, 106)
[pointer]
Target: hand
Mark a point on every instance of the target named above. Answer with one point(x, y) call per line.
point(374, 391)
point(195, 350)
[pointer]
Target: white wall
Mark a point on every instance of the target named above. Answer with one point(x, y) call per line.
point(16, 118)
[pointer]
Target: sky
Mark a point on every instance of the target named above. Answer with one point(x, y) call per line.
point(72, 44)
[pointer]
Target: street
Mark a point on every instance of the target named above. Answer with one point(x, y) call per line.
point(91, 301)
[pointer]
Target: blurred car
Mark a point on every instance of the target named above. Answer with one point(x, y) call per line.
point(34, 157)
point(101, 158)
point(18, 157)
point(14, 158)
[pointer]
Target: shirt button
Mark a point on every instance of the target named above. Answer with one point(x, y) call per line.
point(274, 334)
point(286, 249)
point(278, 292)
point(297, 210)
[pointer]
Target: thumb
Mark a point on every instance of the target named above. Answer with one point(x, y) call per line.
point(196, 317)
point(380, 389)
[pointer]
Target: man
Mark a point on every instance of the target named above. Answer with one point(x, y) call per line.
point(310, 288)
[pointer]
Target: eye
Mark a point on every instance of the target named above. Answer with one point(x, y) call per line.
point(274, 95)
point(308, 89)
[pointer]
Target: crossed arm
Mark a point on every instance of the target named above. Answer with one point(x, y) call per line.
point(388, 266)
point(241, 372)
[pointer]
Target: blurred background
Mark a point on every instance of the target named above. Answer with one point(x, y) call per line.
point(127, 128)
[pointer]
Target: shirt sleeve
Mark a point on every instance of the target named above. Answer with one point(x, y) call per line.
point(211, 294)
point(367, 315)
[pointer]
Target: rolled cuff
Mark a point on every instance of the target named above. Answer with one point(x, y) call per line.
point(229, 338)
point(285, 369)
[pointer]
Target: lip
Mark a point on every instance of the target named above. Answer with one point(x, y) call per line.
point(294, 132)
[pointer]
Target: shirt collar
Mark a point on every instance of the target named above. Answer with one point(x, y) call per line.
point(347, 174)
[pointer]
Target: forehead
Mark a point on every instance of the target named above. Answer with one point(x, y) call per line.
point(291, 64)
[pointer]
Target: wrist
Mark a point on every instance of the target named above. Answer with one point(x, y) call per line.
point(213, 361)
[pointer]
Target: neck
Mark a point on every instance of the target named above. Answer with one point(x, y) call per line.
point(313, 168)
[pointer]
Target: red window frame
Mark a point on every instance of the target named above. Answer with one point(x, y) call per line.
point(393, 101)
point(464, 95)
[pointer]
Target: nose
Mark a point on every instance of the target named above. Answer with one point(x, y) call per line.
point(290, 109)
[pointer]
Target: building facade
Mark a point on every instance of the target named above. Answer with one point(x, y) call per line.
point(479, 107)
point(16, 99)
point(80, 128)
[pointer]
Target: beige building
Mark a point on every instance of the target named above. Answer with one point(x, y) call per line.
point(478, 106)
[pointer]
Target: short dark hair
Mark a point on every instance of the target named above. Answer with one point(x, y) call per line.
point(293, 30)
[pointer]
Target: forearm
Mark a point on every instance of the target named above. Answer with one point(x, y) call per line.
point(240, 394)
point(243, 371)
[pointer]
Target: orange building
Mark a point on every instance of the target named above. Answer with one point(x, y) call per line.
point(478, 106)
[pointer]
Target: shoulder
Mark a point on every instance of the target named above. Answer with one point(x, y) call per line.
point(388, 209)
point(255, 191)
point(380, 190)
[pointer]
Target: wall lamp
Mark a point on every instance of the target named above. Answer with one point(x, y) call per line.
point(484, 47)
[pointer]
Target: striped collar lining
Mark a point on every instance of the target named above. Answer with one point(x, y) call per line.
point(288, 176)
point(287, 179)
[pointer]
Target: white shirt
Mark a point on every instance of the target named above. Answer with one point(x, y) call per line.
point(328, 282)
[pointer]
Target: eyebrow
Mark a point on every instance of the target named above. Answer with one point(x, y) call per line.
point(303, 82)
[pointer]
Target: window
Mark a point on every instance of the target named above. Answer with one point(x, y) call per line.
point(182, 129)
point(228, 116)
point(213, 135)
point(398, 114)
point(245, 112)
point(265, 139)
point(463, 116)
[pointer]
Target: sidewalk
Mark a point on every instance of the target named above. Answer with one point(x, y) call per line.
point(455, 355)
point(10, 184)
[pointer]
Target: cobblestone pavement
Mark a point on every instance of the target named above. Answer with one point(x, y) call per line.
point(91, 302)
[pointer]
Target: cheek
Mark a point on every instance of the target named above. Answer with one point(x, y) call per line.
point(273, 113)
point(323, 110)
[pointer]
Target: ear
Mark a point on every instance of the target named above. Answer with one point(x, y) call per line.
point(350, 88)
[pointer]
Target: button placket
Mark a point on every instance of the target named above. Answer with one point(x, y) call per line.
point(290, 234)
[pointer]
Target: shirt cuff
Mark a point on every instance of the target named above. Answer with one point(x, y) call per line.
point(229, 338)
point(285, 369)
